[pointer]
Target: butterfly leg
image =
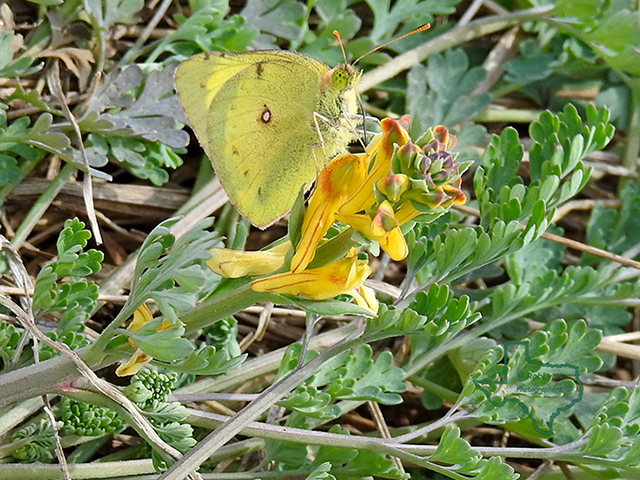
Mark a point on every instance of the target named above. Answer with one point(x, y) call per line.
point(319, 165)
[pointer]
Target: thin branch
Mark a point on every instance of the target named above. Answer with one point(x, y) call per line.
point(569, 243)
point(53, 79)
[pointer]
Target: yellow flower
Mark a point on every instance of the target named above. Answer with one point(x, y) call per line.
point(345, 187)
point(235, 264)
point(375, 193)
point(380, 151)
point(333, 187)
point(344, 276)
point(132, 366)
point(141, 316)
point(384, 228)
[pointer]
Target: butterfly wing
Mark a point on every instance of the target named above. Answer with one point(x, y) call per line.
point(253, 113)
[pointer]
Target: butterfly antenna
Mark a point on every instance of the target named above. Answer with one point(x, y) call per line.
point(364, 120)
point(344, 55)
point(421, 28)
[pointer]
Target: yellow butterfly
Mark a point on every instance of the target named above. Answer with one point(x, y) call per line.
point(268, 120)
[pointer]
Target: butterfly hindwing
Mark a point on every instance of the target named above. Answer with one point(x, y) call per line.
point(264, 153)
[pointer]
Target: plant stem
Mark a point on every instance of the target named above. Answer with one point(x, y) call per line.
point(41, 205)
point(455, 36)
point(632, 146)
point(225, 432)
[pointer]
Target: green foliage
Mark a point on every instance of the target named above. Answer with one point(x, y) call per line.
point(208, 360)
point(108, 13)
point(130, 120)
point(20, 144)
point(149, 390)
point(388, 18)
point(282, 18)
point(447, 317)
point(334, 462)
point(33, 443)
point(12, 65)
point(173, 273)
point(464, 460)
point(540, 381)
point(505, 202)
point(615, 230)
point(351, 375)
point(609, 28)
point(541, 289)
point(223, 336)
point(9, 340)
point(73, 340)
point(613, 433)
point(133, 119)
point(84, 419)
point(560, 143)
point(353, 464)
point(206, 29)
point(61, 285)
point(441, 94)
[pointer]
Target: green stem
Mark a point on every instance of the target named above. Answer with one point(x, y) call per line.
point(632, 147)
point(510, 115)
point(225, 432)
point(444, 393)
point(40, 206)
point(38, 471)
point(221, 305)
point(26, 168)
point(569, 452)
point(455, 36)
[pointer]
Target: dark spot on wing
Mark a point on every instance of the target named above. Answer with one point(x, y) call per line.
point(234, 151)
point(246, 173)
point(206, 55)
point(259, 191)
point(259, 69)
point(265, 116)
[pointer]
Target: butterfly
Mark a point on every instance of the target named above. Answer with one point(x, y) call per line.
point(268, 120)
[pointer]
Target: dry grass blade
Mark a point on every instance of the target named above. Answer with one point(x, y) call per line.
point(53, 78)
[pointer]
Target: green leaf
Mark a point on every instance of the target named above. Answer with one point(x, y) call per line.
point(500, 164)
point(275, 18)
point(9, 171)
point(348, 376)
point(440, 93)
point(356, 464)
point(321, 472)
point(172, 273)
point(60, 286)
point(454, 450)
point(388, 16)
point(541, 377)
point(209, 361)
point(164, 345)
point(109, 12)
point(323, 307)
point(153, 115)
point(615, 230)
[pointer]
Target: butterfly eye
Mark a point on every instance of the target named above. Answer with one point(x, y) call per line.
point(340, 79)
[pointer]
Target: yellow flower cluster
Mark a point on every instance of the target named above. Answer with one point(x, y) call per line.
point(375, 192)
